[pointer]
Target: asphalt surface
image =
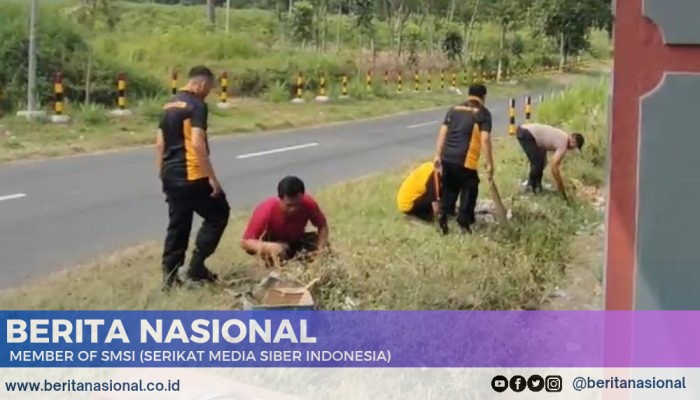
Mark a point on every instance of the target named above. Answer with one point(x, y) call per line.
point(62, 212)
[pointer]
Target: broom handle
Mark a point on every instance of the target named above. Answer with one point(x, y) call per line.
point(436, 178)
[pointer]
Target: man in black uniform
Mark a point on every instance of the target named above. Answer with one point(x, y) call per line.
point(189, 181)
point(464, 134)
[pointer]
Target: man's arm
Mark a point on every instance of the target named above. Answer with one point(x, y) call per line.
point(200, 114)
point(486, 145)
point(485, 125)
point(322, 241)
point(263, 248)
point(160, 149)
point(442, 134)
point(251, 242)
point(199, 145)
point(556, 173)
point(318, 219)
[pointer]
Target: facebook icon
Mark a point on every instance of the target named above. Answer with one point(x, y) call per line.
point(517, 383)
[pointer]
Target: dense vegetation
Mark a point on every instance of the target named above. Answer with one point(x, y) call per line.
point(265, 43)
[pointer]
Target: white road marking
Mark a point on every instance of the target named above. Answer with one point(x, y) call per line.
point(280, 150)
point(13, 196)
point(422, 125)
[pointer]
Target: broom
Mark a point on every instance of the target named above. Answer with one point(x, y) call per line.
point(496, 197)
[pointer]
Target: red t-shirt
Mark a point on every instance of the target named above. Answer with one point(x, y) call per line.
point(268, 219)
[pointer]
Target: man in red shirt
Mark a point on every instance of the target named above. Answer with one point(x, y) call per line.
point(277, 228)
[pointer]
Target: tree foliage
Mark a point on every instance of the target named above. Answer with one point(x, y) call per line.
point(453, 43)
point(303, 21)
point(570, 21)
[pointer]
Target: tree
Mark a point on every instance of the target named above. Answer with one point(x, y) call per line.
point(508, 14)
point(90, 13)
point(365, 19)
point(303, 22)
point(414, 38)
point(452, 43)
point(211, 12)
point(569, 21)
point(93, 12)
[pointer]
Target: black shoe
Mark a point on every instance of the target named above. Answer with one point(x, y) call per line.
point(465, 230)
point(197, 271)
point(170, 278)
point(201, 273)
point(442, 223)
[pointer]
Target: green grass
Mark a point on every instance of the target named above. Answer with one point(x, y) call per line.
point(381, 261)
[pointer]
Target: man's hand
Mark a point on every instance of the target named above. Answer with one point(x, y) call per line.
point(215, 187)
point(274, 249)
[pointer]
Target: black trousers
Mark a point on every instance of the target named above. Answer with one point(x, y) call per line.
point(307, 244)
point(463, 183)
point(536, 156)
point(183, 201)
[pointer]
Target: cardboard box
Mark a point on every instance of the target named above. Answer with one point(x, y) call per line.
point(281, 295)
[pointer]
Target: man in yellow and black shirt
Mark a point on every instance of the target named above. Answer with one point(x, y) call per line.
point(464, 134)
point(189, 181)
point(419, 193)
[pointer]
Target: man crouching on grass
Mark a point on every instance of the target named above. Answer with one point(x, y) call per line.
point(277, 229)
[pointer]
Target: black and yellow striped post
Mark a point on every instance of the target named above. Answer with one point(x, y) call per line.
point(322, 92)
point(399, 82)
point(344, 90)
point(322, 85)
point(429, 86)
point(121, 91)
point(465, 77)
point(58, 94)
point(454, 80)
point(484, 76)
point(416, 82)
point(300, 89)
point(442, 79)
point(58, 100)
point(528, 108)
point(511, 114)
point(173, 82)
point(475, 77)
point(369, 81)
point(223, 81)
point(386, 79)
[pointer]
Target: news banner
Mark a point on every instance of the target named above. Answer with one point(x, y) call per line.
point(260, 355)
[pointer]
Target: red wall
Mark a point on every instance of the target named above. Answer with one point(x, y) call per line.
point(641, 58)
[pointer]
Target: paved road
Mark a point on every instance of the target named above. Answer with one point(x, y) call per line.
point(60, 212)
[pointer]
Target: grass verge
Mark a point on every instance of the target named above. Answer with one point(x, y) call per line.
point(92, 130)
point(381, 261)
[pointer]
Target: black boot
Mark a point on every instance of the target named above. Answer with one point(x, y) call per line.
point(442, 223)
point(170, 277)
point(198, 271)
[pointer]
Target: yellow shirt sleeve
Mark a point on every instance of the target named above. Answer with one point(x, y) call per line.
point(413, 187)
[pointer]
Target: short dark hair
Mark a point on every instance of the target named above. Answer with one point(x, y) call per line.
point(478, 91)
point(290, 186)
point(578, 138)
point(201, 71)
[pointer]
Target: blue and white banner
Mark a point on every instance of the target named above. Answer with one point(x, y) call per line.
point(348, 355)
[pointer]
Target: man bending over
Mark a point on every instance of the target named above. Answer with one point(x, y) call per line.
point(539, 139)
point(277, 229)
